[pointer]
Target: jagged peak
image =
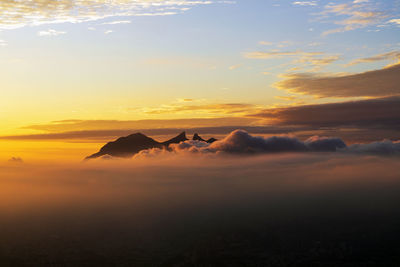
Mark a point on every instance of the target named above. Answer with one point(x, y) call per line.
point(177, 139)
point(198, 137)
point(182, 134)
point(129, 145)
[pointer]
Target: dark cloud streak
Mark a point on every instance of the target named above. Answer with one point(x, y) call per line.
point(354, 121)
point(375, 83)
point(371, 113)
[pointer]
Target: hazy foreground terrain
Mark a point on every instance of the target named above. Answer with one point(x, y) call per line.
point(303, 209)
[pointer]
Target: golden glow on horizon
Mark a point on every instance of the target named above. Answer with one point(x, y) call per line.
point(33, 152)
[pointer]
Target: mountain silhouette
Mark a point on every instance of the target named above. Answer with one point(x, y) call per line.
point(211, 140)
point(130, 145)
point(127, 146)
point(197, 137)
point(176, 140)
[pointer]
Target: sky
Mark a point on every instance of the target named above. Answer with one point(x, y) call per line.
point(94, 65)
point(302, 96)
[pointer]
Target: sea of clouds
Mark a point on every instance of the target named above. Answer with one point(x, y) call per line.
point(160, 204)
point(241, 142)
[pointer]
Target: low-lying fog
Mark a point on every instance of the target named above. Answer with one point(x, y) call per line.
point(302, 209)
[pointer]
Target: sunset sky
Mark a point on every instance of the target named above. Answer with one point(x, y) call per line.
point(94, 65)
point(200, 133)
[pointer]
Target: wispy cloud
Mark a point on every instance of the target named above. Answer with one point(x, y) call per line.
point(266, 43)
point(358, 14)
point(229, 108)
point(50, 32)
point(88, 125)
point(395, 21)
point(286, 98)
point(234, 67)
point(316, 62)
point(16, 14)
point(305, 3)
point(392, 55)
point(3, 43)
point(117, 22)
point(277, 54)
point(277, 44)
point(301, 58)
point(183, 100)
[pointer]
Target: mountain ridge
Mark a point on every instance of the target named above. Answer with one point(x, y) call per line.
point(130, 145)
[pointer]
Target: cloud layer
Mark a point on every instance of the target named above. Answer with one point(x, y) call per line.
point(15, 14)
point(385, 147)
point(375, 83)
point(202, 209)
point(354, 121)
point(371, 113)
point(228, 108)
point(80, 125)
point(241, 142)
